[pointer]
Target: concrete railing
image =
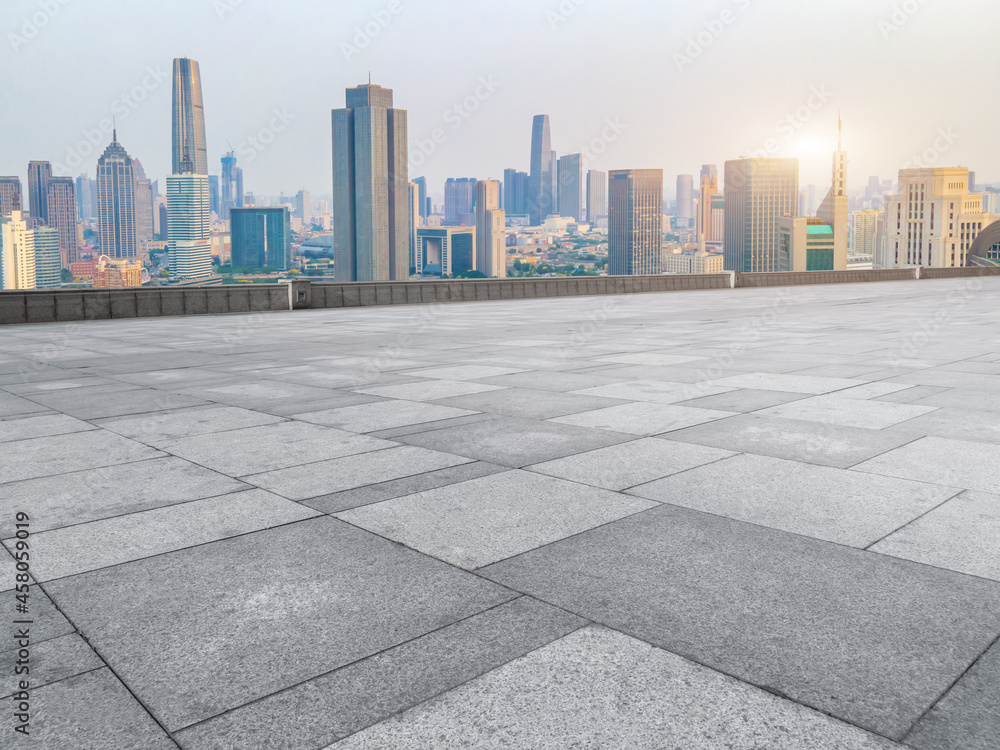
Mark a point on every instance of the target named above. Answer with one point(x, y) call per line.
point(42, 306)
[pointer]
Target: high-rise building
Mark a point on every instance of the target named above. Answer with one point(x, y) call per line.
point(445, 251)
point(260, 237)
point(415, 221)
point(932, 220)
point(303, 207)
point(10, 195)
point(707, 191)
point(85, 205)
point(190, 150)
point(370, 188)
point(425, 206)
point(189, 226)
point(213, 195)
point(685, 200)
point(861, 240)
point(540, 197)
point(48, 258)
point(515, 192)
point(597, 195)
point(17, 252)
point(61, 204)
point(491, 238)
point(230, 195)
point(116, 201)
point(571, 186)
point(635, 219)
point(758, 192)
point(459, 199)
point(874, 188)
point(143, 209)
point(39, 174)
point(160, 218)
point(718, 217)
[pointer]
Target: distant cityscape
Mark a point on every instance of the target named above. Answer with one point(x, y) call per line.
point(558, 218)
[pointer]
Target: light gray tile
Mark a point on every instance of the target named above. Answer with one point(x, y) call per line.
point(382, 415)
point(46, 425)
point(787, 383)
point(530, 404)
point(643, 418)
point(653, 390)
point(850, 412)
point(650, 358)
point(429, 389)
point(979, 426)
point(464, 372)
point(114, 401)
point(542, 380)
point(164, 427)
point(743, 400)
point(957, 463)
point(59, 454)
point(484, 520)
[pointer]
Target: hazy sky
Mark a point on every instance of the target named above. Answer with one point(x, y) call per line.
point(909, 76)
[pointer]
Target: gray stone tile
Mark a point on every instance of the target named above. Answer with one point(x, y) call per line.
point(50, 661)
point(335, 705)
point(911, 394)
point(242, 618)
point(264, 395)
point(59, 454)
point(11, 405)
point(957, 463)
point(109, 491)
point(47, 621)
point(959, 535)
point(640, 418)
point(743, 400)
point(794, 439)
point(276, 446)
point(464, 372)
point(8, 571)
point(837, 505)
point(962, 398)
point(968, 717)
point(46, 425)
point(867, 638)
point(541, 380)
point(382, 415)
point(480, 521)
point(338, 474)
point(164, 427)
point(628, 464)
point(66, 382)
point(101, 544)
point(849, 412)
point(529, 404)
point(651, 358)
point(958, 424)
point(429, 389)
point(787, 383)
point(515, 442)
point(440, 424)
point(116, 401)
point(656, 391)
point(597, 688)
point(91, 710)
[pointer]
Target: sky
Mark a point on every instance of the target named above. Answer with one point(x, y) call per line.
point(670, 84)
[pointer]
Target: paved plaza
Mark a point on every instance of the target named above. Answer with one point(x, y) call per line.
point(749, 518)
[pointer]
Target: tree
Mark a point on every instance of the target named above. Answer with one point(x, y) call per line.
point(67, 276)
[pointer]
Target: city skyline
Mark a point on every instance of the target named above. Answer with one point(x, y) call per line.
point(786, 115)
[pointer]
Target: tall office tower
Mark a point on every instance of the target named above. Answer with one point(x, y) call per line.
point(445, 251)
point(873, 189)
point(571, 186)
point(189, 226)
point(61, 203)
point(227, 196)
point(635, 218)
point(190, 151)
point(160, 218)
point(370, 188)
point(597, 195)
point(39, 174)
point(143, 209)
point(861, 240)
point(933, 219)
point(833, 211)
point(84, 206)
point(515, 192)
point(303, 207)
point(116, 201)
point(718, 217)
point(10, 195)
point(48, 258)
point(707, 191)
point(459, 199)
point(491, 239)
point(413, 201)
point(425, 206)
point(972, 181)
point(758, 192)
point(540, 198)
point(17, 252)
point(213, 195)
point(260, 237)
point(685, 200)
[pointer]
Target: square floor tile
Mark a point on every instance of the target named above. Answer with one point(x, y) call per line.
point(530, 404)
point(46, 425)
point(164, 427)
point(787, 383)
point(429, 389)
point(59, 454)
point(956, 463)
point(641, 418)
point(382, 415)
point(464, 372)
point(656, 391)
point(850, 412)
point(743, 400)
point(114, 401)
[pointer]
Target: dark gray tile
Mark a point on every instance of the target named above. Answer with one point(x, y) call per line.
point(743, 400)
point(60, 454)
point(49, 661)
point(47, 621)
point(543, 380)
point(114, 401)
point(530, 404)
point(867, 638)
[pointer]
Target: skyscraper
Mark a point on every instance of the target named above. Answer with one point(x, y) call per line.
point(833, 211)
point(10, 195)
point(143, 208)
point(413, 201)
point(459, 199)
point(231, 188)
point(707, 191)
point(422, 197)
point(261, 237)
point(635, 218)
point(213, 194)
point(190, 151)
point(48, 258)
point(571, 185)
point(84, 202)
point(39, 174)
point(61, 203)
point(17, 252)
point(758, 192)
point(491, 239)
point(303, 207)
point(189, 226)
point(685, 200)
point(515, 192)
point(540, 175)
point(116, 201)
point(597, 195)
point(370, 187)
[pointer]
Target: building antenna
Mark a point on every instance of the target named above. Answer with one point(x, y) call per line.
point(114, 130)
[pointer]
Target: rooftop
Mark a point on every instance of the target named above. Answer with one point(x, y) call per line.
point(751, 518)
